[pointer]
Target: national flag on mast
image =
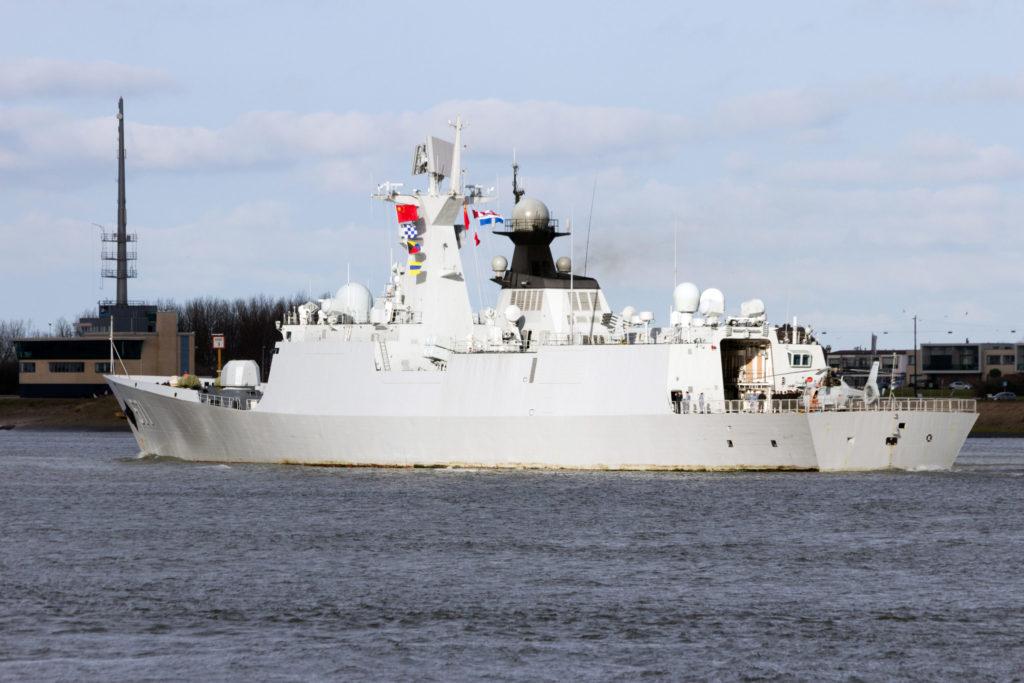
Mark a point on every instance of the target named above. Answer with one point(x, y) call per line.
point(408, 215)
point(492, 218)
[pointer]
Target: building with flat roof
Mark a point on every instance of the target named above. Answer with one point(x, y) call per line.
point(66, 367)
point(970, 362)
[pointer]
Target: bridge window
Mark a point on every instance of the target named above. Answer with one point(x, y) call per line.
point(28, 367)
point(800, 360)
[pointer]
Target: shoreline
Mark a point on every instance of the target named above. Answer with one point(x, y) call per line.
point(102, 414)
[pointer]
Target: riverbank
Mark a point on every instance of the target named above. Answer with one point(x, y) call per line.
point(999, 418)
point(995, 418)
point(94, 414)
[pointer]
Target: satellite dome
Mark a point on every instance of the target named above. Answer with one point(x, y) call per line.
point(499, 264)
point(530, 214)
point(627, 314)
point(353, 301)
point(646, 316)
point(686, 297)
point(752, 309)
point(513, 313)
point(563, 264)
point(712, 303)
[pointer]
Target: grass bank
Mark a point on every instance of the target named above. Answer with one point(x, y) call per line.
point(62, 413)
point(999, 418)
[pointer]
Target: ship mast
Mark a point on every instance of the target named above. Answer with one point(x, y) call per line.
point(456, 181)
point(517, 191)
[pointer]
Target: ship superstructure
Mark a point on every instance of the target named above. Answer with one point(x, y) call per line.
point(549, 377)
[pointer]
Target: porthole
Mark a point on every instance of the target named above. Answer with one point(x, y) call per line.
point(775, 444)
point(928, 438)
point(729, 441)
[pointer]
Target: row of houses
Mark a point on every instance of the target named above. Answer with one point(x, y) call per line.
point(933, 365)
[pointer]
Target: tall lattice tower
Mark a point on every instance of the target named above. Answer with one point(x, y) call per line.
point(120, 253)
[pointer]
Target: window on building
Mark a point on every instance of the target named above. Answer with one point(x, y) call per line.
point(67, 367)
point(959, 358)
point(800, 360)
point(1008, 360)
point(28, 367)
point(103, 368)
point(992, 359)
point(183, 349)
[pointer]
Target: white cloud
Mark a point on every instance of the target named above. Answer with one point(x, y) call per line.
point(920, 160)
point(280, 138)
point(53, 78)
point(779, 109)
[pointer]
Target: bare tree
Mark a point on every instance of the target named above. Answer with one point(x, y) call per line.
point(63, 328)
point(247, 326)
point(11, 330)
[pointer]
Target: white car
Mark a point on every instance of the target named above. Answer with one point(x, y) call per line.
point(959, 386)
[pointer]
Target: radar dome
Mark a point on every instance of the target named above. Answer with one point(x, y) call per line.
point(530, 214)
point(686, 298)
point(563, 264)
point(353, 301)
point(513, 314)
point(712, 303)
point(627, 314)
point(752, 309)
point(499, 264)
point(646, 316)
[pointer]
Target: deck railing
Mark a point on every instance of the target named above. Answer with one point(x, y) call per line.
point(806, 405)
point(227, 401)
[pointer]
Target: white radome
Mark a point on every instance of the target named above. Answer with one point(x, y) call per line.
point(712, 303)
point(753, 308)
point(354, 301)
point(686, 297)
point(513, 313)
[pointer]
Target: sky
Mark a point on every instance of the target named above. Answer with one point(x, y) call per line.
point(853, 164)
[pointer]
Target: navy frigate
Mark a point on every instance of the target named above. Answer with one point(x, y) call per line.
point(549, 377)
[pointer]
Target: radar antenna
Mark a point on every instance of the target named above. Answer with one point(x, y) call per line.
point(517, 191)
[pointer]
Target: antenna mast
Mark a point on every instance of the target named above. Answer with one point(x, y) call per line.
point(122, 212)
point(120, 254)
point(517, 191)
point(456, 182)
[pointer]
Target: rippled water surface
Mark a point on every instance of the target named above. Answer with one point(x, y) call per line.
point(114, 568)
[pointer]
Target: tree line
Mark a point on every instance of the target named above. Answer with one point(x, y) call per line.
point(248, 326)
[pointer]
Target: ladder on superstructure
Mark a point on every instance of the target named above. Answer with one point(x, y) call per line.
point(385, 362)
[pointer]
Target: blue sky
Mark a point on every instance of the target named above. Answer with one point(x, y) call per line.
point(851, 163)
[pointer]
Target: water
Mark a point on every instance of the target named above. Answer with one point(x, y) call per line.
point(114, 568)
